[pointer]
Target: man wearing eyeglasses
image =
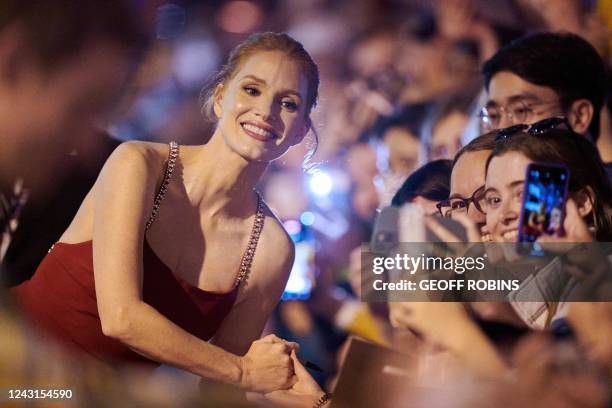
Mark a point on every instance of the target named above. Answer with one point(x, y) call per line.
point(545, 75)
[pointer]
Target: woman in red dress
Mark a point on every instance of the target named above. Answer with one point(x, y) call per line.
point(173, 247)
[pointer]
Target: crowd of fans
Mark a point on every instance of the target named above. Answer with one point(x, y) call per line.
point(412, 94)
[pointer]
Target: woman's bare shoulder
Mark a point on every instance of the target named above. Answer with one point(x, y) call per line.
point(142, 160)
point(131, 164)
point(132, 170)
point(276, 243)
point(134, 151)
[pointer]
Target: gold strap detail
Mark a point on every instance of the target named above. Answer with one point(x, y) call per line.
point(247, 258)
point(173, 151)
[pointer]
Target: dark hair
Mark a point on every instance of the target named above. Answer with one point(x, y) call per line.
point(583, 161)
point(419, 24)
point(410, 117)
point(431, 181)
point(56, 30)
point(564, 62)
point(481, 143)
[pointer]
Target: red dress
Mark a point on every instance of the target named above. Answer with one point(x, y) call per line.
point(61, 300)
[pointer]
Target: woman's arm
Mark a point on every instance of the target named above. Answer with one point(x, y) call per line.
point(260, 292)
point(447, 325)
point(123, 198)
point(305, 393)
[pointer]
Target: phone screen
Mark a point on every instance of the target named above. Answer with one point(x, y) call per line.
point(544, 196)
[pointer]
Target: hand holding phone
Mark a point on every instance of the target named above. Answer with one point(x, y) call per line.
point(543, 207)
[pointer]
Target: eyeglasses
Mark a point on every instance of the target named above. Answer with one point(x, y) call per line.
point(534, 129)
point(517, 111)
point(460, 205)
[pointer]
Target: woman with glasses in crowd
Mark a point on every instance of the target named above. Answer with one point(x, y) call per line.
point(467, 182)
point(588, 218)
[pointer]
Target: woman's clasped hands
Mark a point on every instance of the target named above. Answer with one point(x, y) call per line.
point(268, 366)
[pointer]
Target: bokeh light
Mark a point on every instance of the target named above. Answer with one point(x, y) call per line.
point(239, 17)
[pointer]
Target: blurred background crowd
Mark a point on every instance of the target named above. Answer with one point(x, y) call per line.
point(401, 85)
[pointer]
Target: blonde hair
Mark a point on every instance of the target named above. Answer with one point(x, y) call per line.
point(266, 41)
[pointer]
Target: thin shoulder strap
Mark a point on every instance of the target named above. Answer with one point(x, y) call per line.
point(173, 151)
point(247, 258)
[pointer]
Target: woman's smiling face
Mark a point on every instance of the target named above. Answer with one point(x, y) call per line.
point(503, 195)
point(262, 107)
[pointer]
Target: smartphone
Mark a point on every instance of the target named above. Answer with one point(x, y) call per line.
point(407, 224)
point(543, 208)
point(411, 223)
point(302, 276)
point(385, 232)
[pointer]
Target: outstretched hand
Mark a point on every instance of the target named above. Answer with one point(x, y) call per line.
point(574, 228)
point(436, 322)
point(575, 233)
point(471, 229)
point(459, 247)
point(447, 325)
point(305, 392)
